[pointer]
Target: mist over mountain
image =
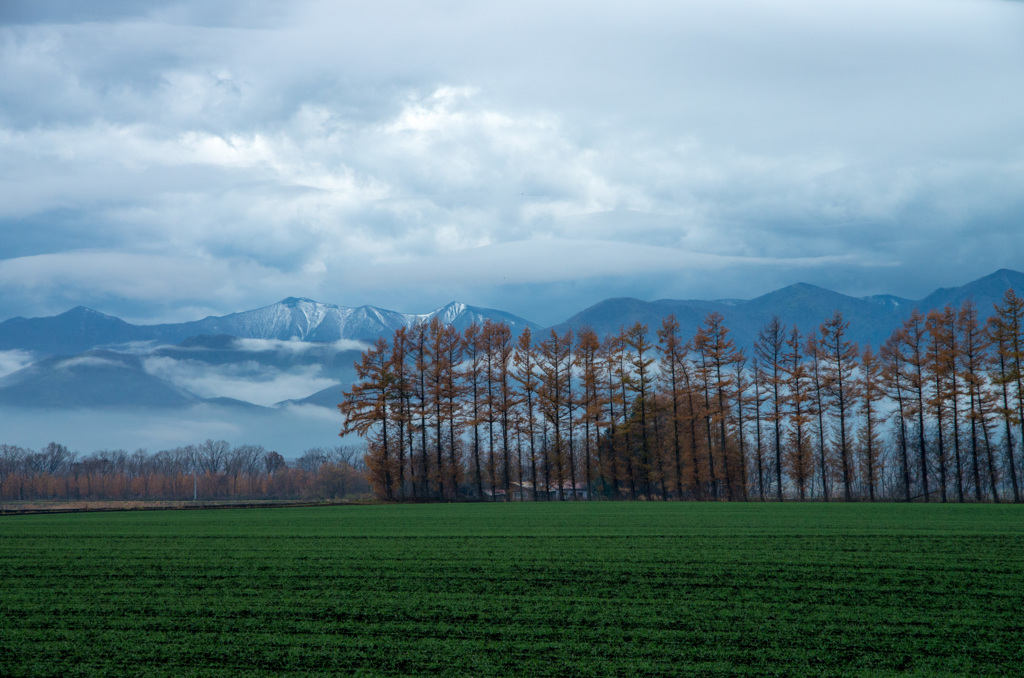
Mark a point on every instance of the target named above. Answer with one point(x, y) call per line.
point(91, 379)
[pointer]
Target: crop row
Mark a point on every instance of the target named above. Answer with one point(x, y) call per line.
point(243, 599)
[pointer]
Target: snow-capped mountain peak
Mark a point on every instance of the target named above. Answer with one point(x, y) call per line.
point(449, 312)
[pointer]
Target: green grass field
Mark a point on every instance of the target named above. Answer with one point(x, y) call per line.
point(587, 589)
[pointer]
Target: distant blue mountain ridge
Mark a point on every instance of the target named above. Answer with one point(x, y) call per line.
point(85, 359)
point(872, 319)
point(82, 329)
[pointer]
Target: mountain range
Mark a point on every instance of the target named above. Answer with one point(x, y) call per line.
point(297, 354)
point(82, 329)
point(872, 319)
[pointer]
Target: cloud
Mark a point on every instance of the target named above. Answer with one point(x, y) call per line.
point(70, 11)
point(295, 346)
point(315, 413)
point(557, 260)
point(184, 158)
point(246, 381)
point(12, 361)
point(79, 276)
point(89, 362)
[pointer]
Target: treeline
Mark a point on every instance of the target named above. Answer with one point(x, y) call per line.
point(209, 471)
point(936, 414)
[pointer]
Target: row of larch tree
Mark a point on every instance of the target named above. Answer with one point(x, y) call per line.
point(936, 414)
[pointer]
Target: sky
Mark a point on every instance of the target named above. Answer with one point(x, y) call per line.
point(164, 161)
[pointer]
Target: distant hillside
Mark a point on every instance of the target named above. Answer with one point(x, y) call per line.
point(92, 379)
point(74, 331)
point(872, 319)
